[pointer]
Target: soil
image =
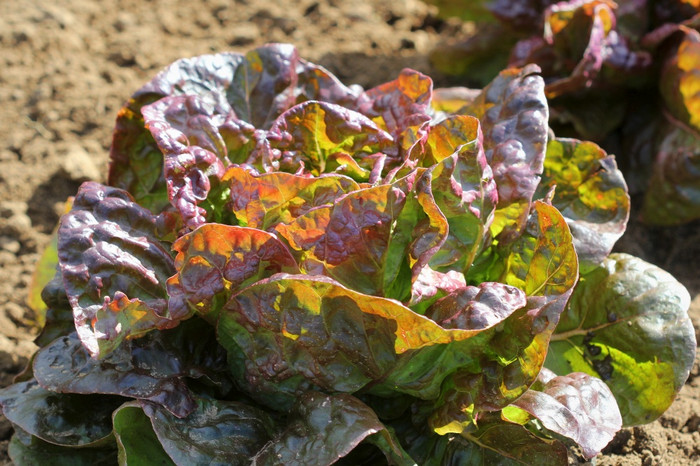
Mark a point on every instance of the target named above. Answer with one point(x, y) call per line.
point(67, 68)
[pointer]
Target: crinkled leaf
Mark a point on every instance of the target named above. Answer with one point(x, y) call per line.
point(513, 113)
point(673, 194)
point(477, 307)
point(371, 239)
point(137, 163)
point(216, 261)
point(258, 87)
point(263, 85)
point(591, 194)
point(114, 268)
point(136, 441)
point(58, 418)
point(577, 406)
point(679, 81)
point(199, 136)
point(263, 201)
point(399, 104)
point(26, 449)
point(627, 324)
point(215, 433)
point(319, 137)
point(463, 188)
point(324, 429)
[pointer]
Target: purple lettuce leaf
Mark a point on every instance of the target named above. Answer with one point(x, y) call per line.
point(513, 113)
point(262, 201)
point(64, 366)
point(591, 194)
point(216, 432)
point(152, 368)
point(400, 104)
point(627, 324)
point(199, 137)
point(577, 406)
point(216, 261)
point(136, 162)
point(258, 87)
point(114, 268)
point(57, 417)
point(326, 428)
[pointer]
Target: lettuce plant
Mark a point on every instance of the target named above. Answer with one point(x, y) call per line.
point(624, 74)
point(287, 270)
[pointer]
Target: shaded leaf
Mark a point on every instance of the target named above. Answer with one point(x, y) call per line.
point(64, 366)
point(25, 449)
point(577, 406)
point(591, 194)
point(673, 194)
point(479, 58)
point(513, 113)
point(263, 201)
point(325, 429)
point(680, 76)
point(57, 417)
point(216, 261)
point(214, 433)
point(627, 324)
point(114, 268)
point(136, 441)
point(495, 442)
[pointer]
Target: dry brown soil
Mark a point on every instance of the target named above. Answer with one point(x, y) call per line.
point(67, 66)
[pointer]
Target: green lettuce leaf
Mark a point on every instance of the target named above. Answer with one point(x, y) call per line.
point(627, 324)
point(136, 441)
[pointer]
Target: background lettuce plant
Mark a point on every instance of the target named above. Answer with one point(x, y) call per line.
point(623, 74)
point(286, 270)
